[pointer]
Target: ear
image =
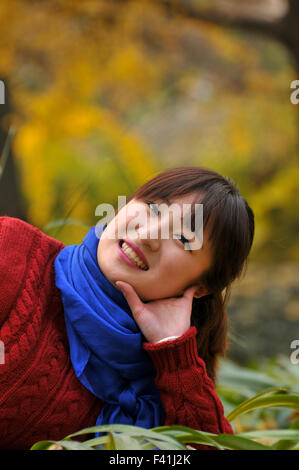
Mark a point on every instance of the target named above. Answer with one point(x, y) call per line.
point(200, 292)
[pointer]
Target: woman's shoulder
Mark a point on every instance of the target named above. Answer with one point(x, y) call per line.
point(18, 237)
point(25, 253)
point(14, 224)
point(24, 231)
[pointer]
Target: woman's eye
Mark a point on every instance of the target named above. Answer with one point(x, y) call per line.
point(153, 206)
point(183, 240)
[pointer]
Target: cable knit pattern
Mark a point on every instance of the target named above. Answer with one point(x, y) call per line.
point(40, 396)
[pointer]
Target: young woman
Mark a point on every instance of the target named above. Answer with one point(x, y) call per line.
point(121, 330)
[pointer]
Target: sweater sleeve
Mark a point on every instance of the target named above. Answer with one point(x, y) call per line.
point(187, 393)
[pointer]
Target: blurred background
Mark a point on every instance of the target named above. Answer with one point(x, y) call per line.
point(102, 95)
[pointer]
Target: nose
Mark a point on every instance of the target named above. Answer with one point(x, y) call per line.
point(150, 243)
point(150, 237)
point(149, 233)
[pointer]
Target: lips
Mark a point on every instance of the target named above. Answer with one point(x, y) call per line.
point(136, 251)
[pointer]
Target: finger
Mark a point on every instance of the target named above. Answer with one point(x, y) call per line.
point(189, 293)
point(131, 296)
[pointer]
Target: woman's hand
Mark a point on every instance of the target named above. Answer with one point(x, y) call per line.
point(160, 318)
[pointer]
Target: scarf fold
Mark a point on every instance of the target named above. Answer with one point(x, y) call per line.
point(105, 341)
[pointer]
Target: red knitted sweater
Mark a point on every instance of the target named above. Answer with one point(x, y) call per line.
point(40, 396)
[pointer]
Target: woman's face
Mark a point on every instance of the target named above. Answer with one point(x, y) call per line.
point(171, 268)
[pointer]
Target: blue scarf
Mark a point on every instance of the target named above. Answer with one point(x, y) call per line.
point(105, 341)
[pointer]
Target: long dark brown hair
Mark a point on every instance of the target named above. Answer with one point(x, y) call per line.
point(229, 222)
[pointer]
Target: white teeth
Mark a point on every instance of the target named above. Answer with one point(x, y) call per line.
point(133, 257)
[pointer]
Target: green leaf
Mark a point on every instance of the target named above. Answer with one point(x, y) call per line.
point(273, 434)
point(220, 441)
point(110, 443)
point(73, 445)
point(96, 441)
point(138, 442)
point(127, 429)
point(164, 445)
point(122, 442)
point(288, 444)
point(42, 445)
point(287, 400)
point(237, 442)
point(189, 435)
point(66, 445)
point(253, 398)
point(150, 446)
point(132, 431)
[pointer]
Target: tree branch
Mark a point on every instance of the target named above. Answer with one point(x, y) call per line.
point(275, 29)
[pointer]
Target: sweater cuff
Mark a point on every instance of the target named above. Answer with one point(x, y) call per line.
point(180, 353)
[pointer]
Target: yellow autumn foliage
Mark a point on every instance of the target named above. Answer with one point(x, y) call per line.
point(105, 94)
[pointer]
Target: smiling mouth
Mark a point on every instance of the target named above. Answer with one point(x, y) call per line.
point(130, 253)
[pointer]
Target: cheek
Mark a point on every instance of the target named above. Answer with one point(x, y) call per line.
point(101, 251)
point(180, 269)
point(174, 266)
point(105, 249)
